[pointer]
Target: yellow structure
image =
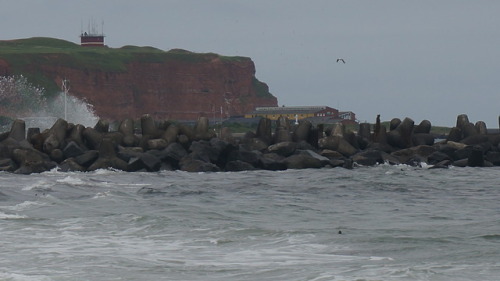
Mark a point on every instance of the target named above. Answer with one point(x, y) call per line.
point(293, 112)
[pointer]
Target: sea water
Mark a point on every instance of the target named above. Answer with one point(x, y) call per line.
point(369, 223)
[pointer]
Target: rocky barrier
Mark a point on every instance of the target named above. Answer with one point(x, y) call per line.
point(161, 145)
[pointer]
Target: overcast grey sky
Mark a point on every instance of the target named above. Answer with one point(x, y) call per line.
point(425, 59)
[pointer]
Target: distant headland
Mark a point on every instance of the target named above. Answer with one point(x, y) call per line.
point(132, 81)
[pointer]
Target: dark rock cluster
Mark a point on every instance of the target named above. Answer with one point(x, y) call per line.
point(161, 145)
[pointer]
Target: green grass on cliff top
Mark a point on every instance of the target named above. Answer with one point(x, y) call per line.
point(23, 52)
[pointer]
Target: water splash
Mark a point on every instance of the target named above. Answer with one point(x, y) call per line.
point(77, 112)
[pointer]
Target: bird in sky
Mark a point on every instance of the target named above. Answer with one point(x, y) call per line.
point(340, 60)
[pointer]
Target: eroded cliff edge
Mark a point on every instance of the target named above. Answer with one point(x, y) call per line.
point(131, 81)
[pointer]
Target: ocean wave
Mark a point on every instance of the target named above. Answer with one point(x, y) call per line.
point(41, 185)
point(21, 277)
point(71, 180)
point(5, 216)
point(26, 205)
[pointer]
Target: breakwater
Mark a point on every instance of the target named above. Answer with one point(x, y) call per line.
point(162, 145)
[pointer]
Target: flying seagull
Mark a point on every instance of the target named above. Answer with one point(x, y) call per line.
point(340, 60)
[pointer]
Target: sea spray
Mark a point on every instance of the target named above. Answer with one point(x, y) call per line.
point(77, 111)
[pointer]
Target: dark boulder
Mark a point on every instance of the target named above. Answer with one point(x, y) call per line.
point(31, 133)
point(469, 130)
point(148, 126)
point(423, 128)
point(475, 139)
point(187, 132)
point(283, 148)
point(365, 131)
point(460, 163)
point(331, 154)
point(401, 136)
point(126, 128)
point(493, 157)
point(420, 152)
point(92, 138)
point(380, 136)
point(302, 131)
point(338, 130)
point(442, 165)
point(337, 143)
point(462, 121)
point(126, 153)
point(56, 155)
point(145, 161)
point(227, 135)
point(438, 157)
point(315, 135)
point(171, 133)
point(158, 144)
point(237, 166)
point(272, 162)
point(282, 135)
point(102, 126)
point(494, 139)
point(462, 153)
point(107, 157)
point(351, 138)
point(282, 132)
point(423, 139)
point(173, 154)
point(31, 161)
point(56, 136)
point(115, 137)
point(254, 144)
point(76, 135)
point(324, 160)
point(184, 141)
point(70, 165)
point(264, 131)
point(224, 148)
point(72, 149)
point(302, 161)
point(18, 130)
point(481, 128)
point(87, 158)
point(476, 157)
point(252, 157)
point(189, 164)
point(454, 135)
point(368, 157)
point(201, 130)
point(8, 165)
point(395, 122)
point(203, 150)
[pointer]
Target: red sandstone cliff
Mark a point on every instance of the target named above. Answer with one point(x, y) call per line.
point(173, 89)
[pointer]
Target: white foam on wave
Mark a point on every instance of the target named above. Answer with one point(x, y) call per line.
point(71, 180)
point(102, 195)
point(26, 205)
point(21, 277)
point(5, 216)
point(41, 185)
point(109, 171)
point(373, 258)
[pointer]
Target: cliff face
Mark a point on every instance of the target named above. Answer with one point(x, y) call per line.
point(166, 86)
point(173, 90)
